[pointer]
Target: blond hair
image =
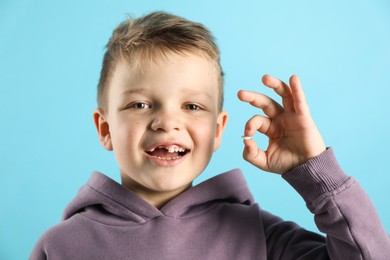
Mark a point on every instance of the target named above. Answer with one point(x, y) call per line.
point(149, 38)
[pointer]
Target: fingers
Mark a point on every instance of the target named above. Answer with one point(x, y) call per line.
point(293, 97)
point(282, 123)
point(282, 89)
point(300, 104)
point(270, 107)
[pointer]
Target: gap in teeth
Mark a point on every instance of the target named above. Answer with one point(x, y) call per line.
point(170, 149)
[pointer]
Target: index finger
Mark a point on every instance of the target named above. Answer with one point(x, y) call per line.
point(270, 107)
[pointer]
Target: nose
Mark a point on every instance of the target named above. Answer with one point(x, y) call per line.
point(166, 120)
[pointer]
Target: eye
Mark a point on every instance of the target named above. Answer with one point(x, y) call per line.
point(139, 105)
point(192, 107)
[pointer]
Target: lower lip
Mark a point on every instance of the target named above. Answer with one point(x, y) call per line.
point(164, 162)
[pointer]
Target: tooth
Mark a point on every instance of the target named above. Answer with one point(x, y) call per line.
point(170, 149)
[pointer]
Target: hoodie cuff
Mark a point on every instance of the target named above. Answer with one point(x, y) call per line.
point(319, 175)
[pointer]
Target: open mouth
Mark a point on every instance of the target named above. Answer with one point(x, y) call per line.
point(168, 153)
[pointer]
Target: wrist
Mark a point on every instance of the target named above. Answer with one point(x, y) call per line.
point(319, 175)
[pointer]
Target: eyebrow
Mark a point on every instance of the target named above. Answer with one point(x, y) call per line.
point(132, 91)
point(196, 92)
point(190, 91)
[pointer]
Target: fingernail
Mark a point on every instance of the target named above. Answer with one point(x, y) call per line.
point(246, 137)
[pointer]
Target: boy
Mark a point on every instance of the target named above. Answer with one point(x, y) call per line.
point(160, 100)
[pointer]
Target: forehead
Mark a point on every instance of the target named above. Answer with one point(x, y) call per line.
point(172, 71)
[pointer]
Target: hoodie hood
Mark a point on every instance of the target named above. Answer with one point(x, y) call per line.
point(104, 200)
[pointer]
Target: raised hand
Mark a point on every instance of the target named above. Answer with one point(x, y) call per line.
point(293, 136)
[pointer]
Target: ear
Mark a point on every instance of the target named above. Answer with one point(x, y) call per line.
point(221, 124)
point(102, 128)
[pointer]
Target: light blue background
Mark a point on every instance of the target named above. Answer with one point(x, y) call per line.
point(50, 58)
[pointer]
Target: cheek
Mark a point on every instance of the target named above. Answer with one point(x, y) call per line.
point(204, 130)
point(126, 134)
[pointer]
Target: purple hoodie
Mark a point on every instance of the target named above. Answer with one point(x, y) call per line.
point(218, 219)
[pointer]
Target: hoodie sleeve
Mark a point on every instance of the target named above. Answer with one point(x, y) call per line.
point(343, 211)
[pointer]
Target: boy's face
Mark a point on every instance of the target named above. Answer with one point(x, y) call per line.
point(162, 123)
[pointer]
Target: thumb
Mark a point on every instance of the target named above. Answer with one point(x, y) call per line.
point(254, 155)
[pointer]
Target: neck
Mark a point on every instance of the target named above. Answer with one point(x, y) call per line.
point(155, 198)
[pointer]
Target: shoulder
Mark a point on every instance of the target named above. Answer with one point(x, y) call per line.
point(60, 237)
